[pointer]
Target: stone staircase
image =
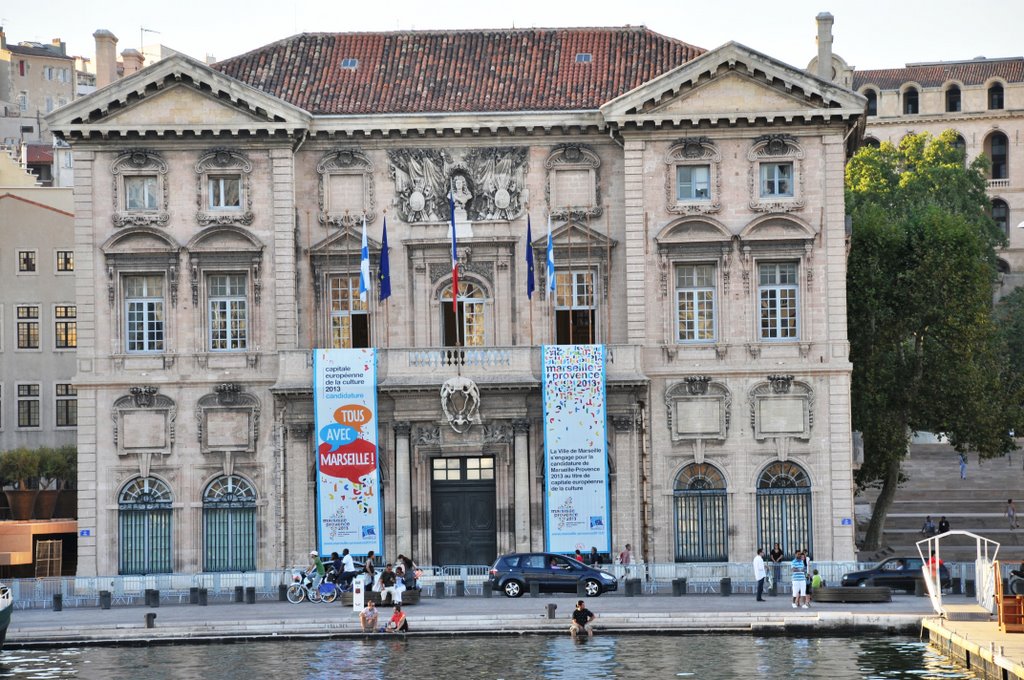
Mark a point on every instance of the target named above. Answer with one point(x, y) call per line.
point(934, 487)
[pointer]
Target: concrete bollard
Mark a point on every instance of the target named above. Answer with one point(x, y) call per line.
point(150, 619)
point(460, 588)
point(58, 602)
point(193, 595)
point(202, 596)
point(634, 587)
point(919, 589)
point(678, 587)
point(725, 586)
point(104, 599)
point(487, 591)
point(957, 587)
point(439, 589)
point(239, 594)
point(250, 595)
point(551, 607)
point(152, 597)
point(534, 589)
point(969, 587)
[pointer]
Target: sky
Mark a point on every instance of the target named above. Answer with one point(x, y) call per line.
point(868, 33)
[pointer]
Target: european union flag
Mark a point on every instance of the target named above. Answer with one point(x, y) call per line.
point(384, 272)
point(530, 283)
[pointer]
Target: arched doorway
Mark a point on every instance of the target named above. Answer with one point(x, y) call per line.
point(229, 525)
point(784, 508)
point(701, 514)
point(144, 524)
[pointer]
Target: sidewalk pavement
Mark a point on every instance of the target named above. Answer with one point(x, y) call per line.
point(616, 613)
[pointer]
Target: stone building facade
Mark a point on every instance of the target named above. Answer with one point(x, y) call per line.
point(696, 207)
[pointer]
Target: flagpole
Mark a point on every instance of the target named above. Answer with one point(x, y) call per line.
point(529, 271)
point(387, 300)
point(312, 274)
point(608, 276)
point(593, 287)
point(572, 281)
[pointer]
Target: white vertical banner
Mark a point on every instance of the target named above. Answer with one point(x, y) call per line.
point(576, 494)
point(347, 472)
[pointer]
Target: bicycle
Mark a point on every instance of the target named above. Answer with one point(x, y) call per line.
point(302, 589)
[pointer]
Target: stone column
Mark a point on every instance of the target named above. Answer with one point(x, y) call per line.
point(521, 428)
point(403, 490)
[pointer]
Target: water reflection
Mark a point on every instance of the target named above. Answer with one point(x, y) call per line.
point(499, 658)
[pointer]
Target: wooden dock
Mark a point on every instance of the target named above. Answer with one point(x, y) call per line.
point(977, 645)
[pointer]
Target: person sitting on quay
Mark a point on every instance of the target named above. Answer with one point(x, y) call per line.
point(398, 622)
point(368, 617)
point(388, 579)
point(582, 619)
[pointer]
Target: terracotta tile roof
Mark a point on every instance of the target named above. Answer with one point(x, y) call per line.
point(455, 71)
point(975, 72)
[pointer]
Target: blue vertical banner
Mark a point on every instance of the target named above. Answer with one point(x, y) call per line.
point(347, 467)
point(576, 494)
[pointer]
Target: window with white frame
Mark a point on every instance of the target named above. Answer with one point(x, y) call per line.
point(65, 261)
point(776, 179)
point(28, 326)
point(66, 405)
point(349, 322)
point(463, 326)
point(224, 192)
point(574, 308)
point(28, 405)
point(140, 193)
point(144, 313)
point(27, 262)
point(228, 308)
point(65, 326)
point(777, 291)
point(695, 302)
point(693, 183)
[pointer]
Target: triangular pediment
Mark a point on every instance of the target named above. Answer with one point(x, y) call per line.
point(177, 95)
point(733, 82)
point(574, 235)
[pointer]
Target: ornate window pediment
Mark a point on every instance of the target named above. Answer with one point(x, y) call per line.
point(225, 248)
point(228, 421)
point(698, 408)
point(345, 190)
point(573, 188)
point(144, 422)
point(141, 249)
point(224, 188)
point(693, 179)
point(776, 174)
point(781, 407)
point(140, 191)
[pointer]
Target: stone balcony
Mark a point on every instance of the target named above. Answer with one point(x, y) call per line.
point(998, 184)
point(428, 368)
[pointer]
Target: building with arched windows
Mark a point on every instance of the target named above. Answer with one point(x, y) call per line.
point(694, 201)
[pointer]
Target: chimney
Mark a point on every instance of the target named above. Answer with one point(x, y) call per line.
point(61, 46)
point(825, 21)
point(106, 57)
point(132, 60)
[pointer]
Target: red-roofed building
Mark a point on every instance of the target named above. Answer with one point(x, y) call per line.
point(697, 232)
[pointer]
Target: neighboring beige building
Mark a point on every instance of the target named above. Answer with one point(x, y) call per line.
point(35, 79)
point(983, 101)
point(697, 208)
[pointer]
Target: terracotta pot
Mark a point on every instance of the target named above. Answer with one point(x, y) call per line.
point(22, 503)
point(46, 501)
point(67, 505)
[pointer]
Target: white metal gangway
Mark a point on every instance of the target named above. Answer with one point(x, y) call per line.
point(985, 554)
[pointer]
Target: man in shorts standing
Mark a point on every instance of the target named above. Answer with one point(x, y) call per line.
point(799, 579)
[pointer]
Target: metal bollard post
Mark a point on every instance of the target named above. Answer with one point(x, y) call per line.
point(58, 602)
point(969, 587)
point(581, 588)
point(551, 607)
point(239, 594)
point(534, 589)
point(487, 591)
point(439, 589)
point(202, 597)
point(193, 595)
point(725, 586)
point(250, 595)
point(460, 588)
point(634, 587)
point(150, 619)
point(678, 587)
point(282, 593)
point(104, 599)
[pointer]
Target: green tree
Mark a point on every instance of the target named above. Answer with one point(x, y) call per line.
point(925, 350)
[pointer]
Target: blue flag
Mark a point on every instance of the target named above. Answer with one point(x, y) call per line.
point(384, 274)
point(530, 284)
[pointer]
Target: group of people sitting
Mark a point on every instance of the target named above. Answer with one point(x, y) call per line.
point(369, 617)
point(341, 570)
point(929, 529)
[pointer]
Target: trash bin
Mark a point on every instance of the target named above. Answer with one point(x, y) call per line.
point(956, 587)
point(725, 586)
point(487, 590)
point(202, 597)
point(58, 602)
point(678, 587)
point(150, 619)
point(581, 588)
point(634, 587)
point(239, 594)
point(969, 587)
point(250, 595)
point(282, 593)
point(439, 589)
point(460, 588)
point(193, 595)
point(152, 597)
point(104, 599)
point(551, 607)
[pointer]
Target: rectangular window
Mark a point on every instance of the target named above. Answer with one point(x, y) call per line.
point(776, 179)
point(140, 192)
point(65, 326)
point(695, 302)
point(350, 319)
point(66, 405)
point(65, 260)
point(26, 261)
point(28, 326)
point(574, 308)
point(693, 183)
point(229, 321)
point(28, 405)
point(777, 292)
point(144, 313)
point(225, 192)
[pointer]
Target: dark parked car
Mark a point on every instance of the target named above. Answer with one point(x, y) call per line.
point(897, 573)
point(512, 574)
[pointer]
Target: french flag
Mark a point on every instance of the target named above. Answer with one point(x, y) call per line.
point(455, 258)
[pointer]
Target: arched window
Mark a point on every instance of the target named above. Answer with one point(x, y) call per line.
point(910, 101)
point(953, 99)
point(872, 142)
point(960, 144)
point(229, 525)
point(784, 507)
point(996, 147)
point(1001, 215)
point(872, 102)
point(995, 97)
point(701, 515)
point(144, 523)
point(463, 326)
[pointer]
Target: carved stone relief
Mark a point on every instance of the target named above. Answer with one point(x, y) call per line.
point(498, 434)
point(224, 161)
point(698, 408)
point(135, 163)
point(484, 270)
point(573, 187)
point(693, 151)
point(228, 420)
point(460, 401)
point(780, 148)
point(781, 407)
point(345, 191)
point(143, 421)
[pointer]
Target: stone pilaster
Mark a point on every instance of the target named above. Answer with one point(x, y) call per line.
point(522, 484)
point(626, 483)
point(403, 490)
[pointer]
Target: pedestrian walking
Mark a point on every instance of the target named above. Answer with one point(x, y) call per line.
point(759, 573)
point(963, 466)
point(1011, 514)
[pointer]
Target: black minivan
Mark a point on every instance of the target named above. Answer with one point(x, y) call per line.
point(512, 574)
